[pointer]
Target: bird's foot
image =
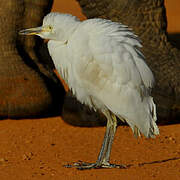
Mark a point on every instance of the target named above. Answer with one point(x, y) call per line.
point(83, 165)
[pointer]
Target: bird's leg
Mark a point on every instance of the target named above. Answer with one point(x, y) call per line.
point(104, 155)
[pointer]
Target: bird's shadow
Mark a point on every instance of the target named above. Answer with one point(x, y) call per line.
point(159, 161)
point(153, 162)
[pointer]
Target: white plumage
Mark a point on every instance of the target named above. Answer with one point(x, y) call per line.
point(102, 65)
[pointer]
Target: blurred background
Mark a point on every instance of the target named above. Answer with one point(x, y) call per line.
point(172, 8)
point(172, 11)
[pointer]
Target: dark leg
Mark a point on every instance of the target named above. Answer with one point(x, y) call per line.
point(104, 155)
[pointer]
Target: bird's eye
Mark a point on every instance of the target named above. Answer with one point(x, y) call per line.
point(50, 28)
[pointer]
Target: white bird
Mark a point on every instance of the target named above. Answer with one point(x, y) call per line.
point(102, 65)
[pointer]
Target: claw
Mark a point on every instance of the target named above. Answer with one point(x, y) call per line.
point(83, 165)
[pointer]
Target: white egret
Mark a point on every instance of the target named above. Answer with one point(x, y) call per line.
point(102, 65)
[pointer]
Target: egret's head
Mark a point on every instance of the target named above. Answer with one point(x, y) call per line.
point(56, 26)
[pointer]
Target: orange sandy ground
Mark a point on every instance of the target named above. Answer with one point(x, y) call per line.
point(38, 149)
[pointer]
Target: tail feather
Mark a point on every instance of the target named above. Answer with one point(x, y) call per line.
point(153, 130)
point(136, 132)
point(147, 124)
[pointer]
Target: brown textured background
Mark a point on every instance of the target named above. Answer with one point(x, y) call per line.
point(37, 149)
point(172, 7)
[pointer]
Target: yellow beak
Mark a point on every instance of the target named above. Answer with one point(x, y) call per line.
point(31, 31)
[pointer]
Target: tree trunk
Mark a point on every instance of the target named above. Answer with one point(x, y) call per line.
point(148, 21)
point(25, 91)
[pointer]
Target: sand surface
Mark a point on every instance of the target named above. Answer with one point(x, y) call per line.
point(37, 149)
